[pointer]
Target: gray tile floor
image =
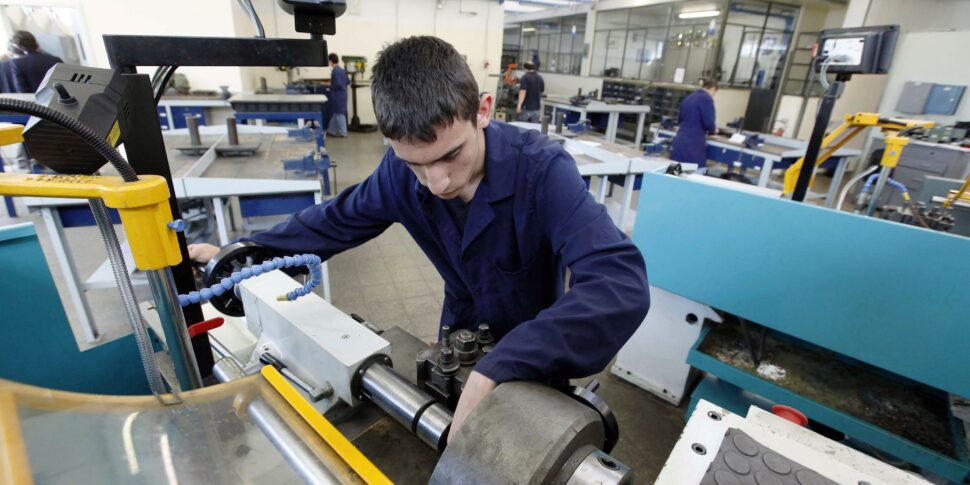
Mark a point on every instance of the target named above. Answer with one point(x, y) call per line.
point(389, 281)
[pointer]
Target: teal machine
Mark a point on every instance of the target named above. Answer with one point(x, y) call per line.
point(860, 323)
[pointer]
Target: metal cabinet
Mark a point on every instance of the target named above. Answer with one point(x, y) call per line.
point(920, 160)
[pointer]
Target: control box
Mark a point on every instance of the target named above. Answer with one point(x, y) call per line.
point(858, 50)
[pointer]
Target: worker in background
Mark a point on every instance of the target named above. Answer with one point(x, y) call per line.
point(28, 64)
point(338, 98)
point(6, 74)
point(500, 211)
point(696, 121)
point(531, 87)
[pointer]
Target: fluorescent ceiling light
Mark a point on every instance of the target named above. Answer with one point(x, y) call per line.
point(529, 29)
point(700, 14)
point(516, 7)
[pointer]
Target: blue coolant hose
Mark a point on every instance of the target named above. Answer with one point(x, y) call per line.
point(311, 261)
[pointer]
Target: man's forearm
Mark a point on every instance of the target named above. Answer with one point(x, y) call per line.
point(521, 98)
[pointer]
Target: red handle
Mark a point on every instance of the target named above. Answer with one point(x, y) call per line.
point(205, 325)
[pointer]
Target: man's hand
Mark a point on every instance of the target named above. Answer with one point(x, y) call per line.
point(202, 252)
point(477, 387)
point(518, 109)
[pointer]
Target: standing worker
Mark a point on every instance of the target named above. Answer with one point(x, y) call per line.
point(338, 98)
point(501, 212)
point(531, 88)
point(28, 64)
point(696, 121)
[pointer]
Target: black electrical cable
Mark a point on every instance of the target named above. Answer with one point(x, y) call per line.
point(159, 90)
point(98, 142)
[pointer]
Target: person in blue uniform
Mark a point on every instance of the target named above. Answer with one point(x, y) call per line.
point(531, 88)
point(696, 121)
point(338, 97)
point(28, 65)
point(501, 212)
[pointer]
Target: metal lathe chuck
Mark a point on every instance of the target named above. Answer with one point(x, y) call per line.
point(529, 433)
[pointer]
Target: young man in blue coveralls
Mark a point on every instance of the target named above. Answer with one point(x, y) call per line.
point(696, 121)
point(499, 211)
point(338, 97)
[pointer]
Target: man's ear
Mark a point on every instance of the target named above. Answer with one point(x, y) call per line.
point(485, 105)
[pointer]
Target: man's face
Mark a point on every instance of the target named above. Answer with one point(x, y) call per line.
point(453, 163)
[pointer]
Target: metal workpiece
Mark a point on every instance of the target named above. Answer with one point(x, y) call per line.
point(295, 451)
point(560, 121)
point(298, 454)
point(545, 124)
point(433, 426)
point(195, 146)
point(228, 369)
point(234, 147)
point(415, 409)
point(173, 325)
point(546, 426)
point(596, 468)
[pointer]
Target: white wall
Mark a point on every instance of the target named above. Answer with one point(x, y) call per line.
point(142, 17)
point(474, 27)
point(173, 17)
point(566, 84)
point(912, 64)
point(928, 50)
point(730, 104)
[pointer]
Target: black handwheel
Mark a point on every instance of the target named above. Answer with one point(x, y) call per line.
point(230, 259)
point(587, 396)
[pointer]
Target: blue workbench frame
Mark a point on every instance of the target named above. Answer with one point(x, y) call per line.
point(287, 116)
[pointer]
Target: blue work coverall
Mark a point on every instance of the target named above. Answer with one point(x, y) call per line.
point(695, 122)
point(338, 91)
point(530, 217)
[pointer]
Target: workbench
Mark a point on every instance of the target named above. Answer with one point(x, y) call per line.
point(298, 108)
point(613, 110)
point(602, 160)
point(776, 152)
point(172, 109)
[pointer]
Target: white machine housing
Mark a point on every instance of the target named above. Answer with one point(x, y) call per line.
point(709, 423)
point(655, 357)
point(317, 342)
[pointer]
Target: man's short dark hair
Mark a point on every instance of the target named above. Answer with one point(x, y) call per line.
point(25, 41)
point(710, 84)
point(422, 83)
point(334, 58)
point(528, 66)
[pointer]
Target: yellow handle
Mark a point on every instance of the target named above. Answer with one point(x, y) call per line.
point(10, 134)
point(143, 206)
point(340, 444)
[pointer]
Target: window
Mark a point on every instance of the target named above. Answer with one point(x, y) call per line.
point(652, 43)
point(555, 45)
point(757, 36)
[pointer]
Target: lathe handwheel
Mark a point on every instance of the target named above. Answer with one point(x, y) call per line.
point(232, 258)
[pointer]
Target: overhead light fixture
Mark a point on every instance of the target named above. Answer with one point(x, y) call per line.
point(700, 14)
point(528, 29)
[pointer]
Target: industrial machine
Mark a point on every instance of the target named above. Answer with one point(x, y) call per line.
point(853, 320)
point(336, 363)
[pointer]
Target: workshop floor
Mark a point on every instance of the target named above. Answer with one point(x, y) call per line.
point(388, 281)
